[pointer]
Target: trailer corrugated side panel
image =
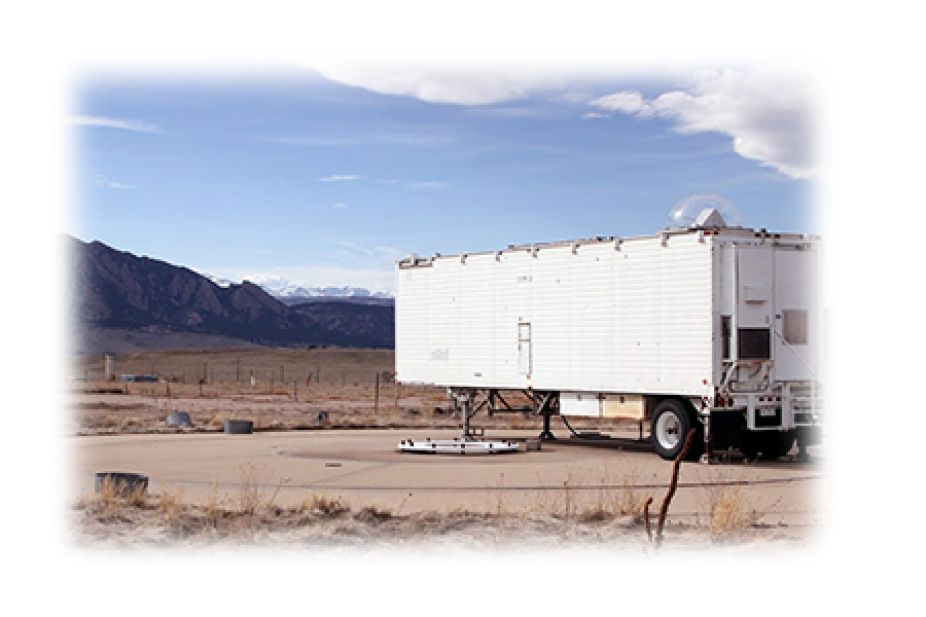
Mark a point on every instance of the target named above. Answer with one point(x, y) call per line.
point(413, 321)
point(600, 317)
point(666, 289)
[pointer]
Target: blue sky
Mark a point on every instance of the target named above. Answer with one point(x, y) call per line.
point(326, 177)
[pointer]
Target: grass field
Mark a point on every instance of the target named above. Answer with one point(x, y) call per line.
point(279, 389)
point(225, 368)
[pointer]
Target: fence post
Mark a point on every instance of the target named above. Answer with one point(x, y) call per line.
point(376, 400)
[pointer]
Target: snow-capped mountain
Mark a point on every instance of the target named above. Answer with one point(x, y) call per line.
point(284, 289)
point(291, 293)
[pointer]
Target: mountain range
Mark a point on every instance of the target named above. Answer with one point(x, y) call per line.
point(122, 302)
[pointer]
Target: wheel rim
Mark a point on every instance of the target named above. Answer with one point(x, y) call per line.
point(668, 431)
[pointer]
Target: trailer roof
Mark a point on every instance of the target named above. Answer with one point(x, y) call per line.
point(741, 233)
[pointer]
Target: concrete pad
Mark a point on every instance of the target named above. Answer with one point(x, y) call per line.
point(363, 467)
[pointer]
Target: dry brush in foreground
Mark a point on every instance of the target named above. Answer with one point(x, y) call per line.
point(323, 532)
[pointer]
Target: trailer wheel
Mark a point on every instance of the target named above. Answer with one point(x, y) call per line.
point(671, 423)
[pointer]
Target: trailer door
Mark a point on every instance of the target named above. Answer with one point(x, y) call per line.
point(754, 305)
point(794, 314)
point(524, 349)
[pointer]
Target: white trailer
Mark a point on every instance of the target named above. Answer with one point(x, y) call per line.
point(709, 326)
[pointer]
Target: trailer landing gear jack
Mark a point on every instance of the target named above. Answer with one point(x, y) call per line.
point(546, 434)
point(545, 404)
point(463, 404)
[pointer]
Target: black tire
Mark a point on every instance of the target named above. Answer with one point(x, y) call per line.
point(671, 422)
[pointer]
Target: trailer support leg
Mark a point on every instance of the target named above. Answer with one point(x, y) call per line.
point(545, 409)
point(463, 401)
point(464, 409)
point(546, 434)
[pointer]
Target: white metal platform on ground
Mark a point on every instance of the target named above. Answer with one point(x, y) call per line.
point(458, 446)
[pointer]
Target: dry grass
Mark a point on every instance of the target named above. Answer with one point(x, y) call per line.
point(270, 367)
point(417, 407)
point(729, 515)
point(288, 391)
point(326, 532)
point(321, 520)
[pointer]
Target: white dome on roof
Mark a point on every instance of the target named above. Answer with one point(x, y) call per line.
point(703, 210)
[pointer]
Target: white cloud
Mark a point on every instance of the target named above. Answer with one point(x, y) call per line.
point(766, 116)
point(463, 77)
point(415, 185)
point(340, 178)
point(105, 182)
point(627, 101)
point(427, 184)
point(138, 126)
point(340, 206)
point(417, 136)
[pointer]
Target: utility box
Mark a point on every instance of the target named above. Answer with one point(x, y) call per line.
point(717, 318)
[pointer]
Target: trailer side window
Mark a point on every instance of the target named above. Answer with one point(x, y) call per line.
point(754, 344)
point(794, 324)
